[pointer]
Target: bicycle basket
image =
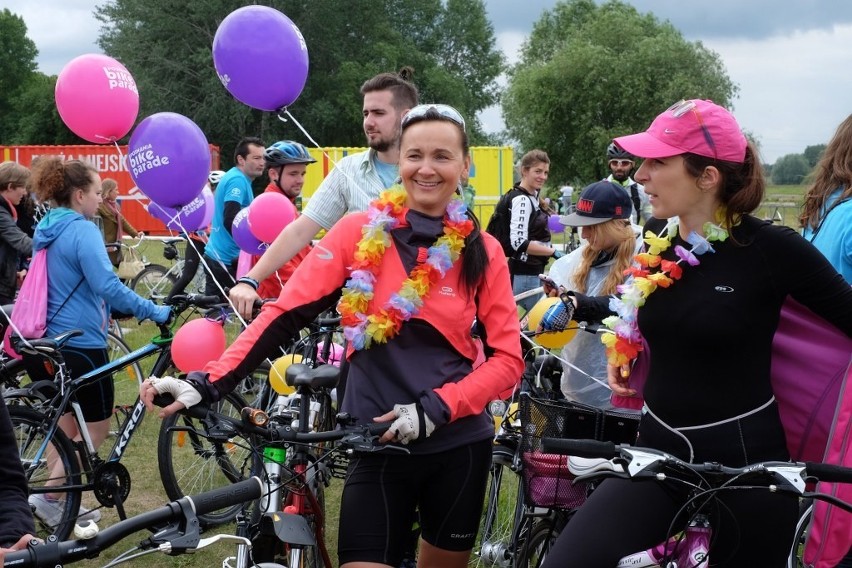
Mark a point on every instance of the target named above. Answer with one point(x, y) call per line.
point(547, 481)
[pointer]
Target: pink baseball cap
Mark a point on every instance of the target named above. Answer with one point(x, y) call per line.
point(694, 126)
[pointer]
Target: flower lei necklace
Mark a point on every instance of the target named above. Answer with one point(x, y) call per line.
point(384, 214)
point(624, 343)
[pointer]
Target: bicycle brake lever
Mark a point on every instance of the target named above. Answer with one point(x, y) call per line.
point(205, 542)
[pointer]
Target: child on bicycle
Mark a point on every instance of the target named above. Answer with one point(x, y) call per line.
point(595, 268)
point(413, 272)
point(81, 288)
point(723, 276)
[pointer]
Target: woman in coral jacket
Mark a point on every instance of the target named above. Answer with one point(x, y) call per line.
point(408, 276)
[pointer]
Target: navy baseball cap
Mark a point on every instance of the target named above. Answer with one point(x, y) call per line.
point(599, 203)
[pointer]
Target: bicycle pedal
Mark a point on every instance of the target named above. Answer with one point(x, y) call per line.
point(337, 466)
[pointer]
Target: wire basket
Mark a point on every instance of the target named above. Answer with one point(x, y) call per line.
point(547, 480)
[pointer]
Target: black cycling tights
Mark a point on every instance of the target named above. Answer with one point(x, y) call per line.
point(622, 517)
point(191, 261)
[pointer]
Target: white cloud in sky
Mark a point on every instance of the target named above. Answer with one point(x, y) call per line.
point(794, 85)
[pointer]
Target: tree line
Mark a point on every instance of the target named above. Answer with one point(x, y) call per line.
point(586, 73)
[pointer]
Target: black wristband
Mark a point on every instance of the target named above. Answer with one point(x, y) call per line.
point(249, 281)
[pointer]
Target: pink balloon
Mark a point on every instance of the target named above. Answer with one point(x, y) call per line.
point(268, 214)
point(97, 98)
point(243, 236)
point(196, 343)
point(335, 355)
point(554, 225)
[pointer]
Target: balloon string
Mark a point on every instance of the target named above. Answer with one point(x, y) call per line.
point(351, 179)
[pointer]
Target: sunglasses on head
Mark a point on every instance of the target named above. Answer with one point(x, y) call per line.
point(443, 110)
point(621, 163)
point(681, 108)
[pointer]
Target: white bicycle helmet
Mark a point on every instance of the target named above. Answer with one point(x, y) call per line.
point(215, 176)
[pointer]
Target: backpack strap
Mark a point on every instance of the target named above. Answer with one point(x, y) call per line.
point(64, 302)
point(822, 220)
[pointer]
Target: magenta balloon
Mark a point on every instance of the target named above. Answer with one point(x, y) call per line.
point(268, 214)
point(97, 98)
point(242, 234)
point(188, 218)
point(554, 225)
point(261, 57)
point(168, 158)
point(209, 206)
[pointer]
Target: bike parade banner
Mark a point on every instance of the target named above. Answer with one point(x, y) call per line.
point(491, 174)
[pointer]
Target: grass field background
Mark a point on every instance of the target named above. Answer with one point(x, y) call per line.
point(141, 461)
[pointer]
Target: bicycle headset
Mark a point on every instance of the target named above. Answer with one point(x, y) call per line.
point(287, 152)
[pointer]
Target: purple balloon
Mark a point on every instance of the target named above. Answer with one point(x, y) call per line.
point(243, 236)
point(207, 193)
point(554, 225)
point(250, 42)
point(168, 158)
point(190, 217)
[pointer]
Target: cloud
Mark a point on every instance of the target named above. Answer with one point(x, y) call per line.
point(61, 30)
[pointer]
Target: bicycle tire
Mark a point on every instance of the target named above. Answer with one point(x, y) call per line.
point(29, 427)
point(126, 380)
point(503, 513)
point(153, 283)
point(190, 463)
point(796, 560)
point(535, 548)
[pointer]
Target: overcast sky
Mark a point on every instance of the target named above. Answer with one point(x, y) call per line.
point(790, 58)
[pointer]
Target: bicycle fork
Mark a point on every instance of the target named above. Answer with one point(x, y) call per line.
point(688, 551)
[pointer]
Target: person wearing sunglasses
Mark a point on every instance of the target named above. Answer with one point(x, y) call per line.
point(621, 163)
point(354, 182)
point(408, 276)
point(706, 297)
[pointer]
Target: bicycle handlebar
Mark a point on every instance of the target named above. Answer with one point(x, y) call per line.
point(641, 459)
point(56, 553)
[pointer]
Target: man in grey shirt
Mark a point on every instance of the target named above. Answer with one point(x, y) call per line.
point(355, 181)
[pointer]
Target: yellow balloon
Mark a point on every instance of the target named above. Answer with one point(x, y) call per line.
point(549, 339)
point(278, 370)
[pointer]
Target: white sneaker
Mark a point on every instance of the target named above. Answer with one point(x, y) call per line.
point(47, 509)
point(89, 514)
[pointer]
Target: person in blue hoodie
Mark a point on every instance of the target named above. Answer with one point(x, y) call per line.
point(81, 289)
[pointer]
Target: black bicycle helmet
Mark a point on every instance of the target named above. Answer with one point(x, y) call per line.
point(287, 152)
point(616, 152)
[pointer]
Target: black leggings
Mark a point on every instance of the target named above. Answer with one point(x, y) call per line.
point(191, 262)
point(96, 399)
point(621, 517)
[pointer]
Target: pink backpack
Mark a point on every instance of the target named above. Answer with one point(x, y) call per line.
point(29, 315)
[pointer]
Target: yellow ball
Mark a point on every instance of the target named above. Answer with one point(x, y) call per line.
point(278, 370)
point(549, 339)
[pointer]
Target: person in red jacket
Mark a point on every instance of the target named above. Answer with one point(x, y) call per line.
point(408, 277)
point(287, 163)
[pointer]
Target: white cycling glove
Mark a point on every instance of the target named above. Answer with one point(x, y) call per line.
point(182, 391)
point(411, 423)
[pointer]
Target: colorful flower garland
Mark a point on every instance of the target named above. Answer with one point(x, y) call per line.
point(624, 343)
point(384, 214)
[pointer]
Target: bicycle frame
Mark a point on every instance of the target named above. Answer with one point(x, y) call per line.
point(86, 449)
point(689, 551)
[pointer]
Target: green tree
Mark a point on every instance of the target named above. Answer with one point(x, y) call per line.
point(790, 169)
point(166, 45)
point(17, 65)
point(813, 154)
point(590, 73)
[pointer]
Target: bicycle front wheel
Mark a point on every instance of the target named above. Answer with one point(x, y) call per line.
point(52, 472)
point(190, 462)
point(153, 283)
point(503, 513)
point(806, 509)
point(542, 537)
